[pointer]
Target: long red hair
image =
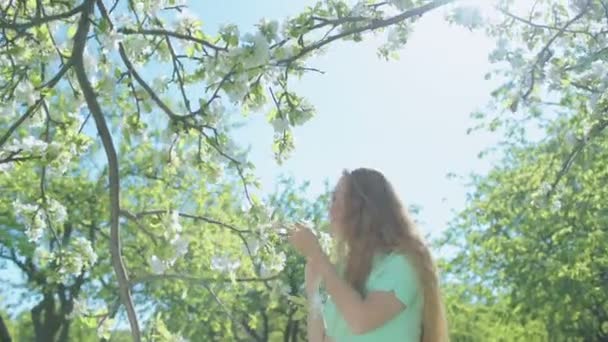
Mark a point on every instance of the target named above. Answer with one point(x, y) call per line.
point(374, 220)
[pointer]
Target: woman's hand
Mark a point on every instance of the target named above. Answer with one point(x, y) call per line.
point(305, 242)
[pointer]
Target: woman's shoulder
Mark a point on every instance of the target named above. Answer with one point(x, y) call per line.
point(393, 260)
point(395, 272)
point(393, 265)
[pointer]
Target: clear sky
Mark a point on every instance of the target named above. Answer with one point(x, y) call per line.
point(407, 118)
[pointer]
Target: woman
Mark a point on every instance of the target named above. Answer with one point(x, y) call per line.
point(385, 286)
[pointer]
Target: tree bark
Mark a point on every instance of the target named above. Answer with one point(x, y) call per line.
point(5, 336)
point(47, 322)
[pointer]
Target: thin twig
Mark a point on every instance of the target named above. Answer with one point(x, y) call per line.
point(4, 24)
point(160, 32)
point(543, 57)
point(18, 123)
point(374, 25)
point(580, 145)
point(193, 217)
point(156, 277)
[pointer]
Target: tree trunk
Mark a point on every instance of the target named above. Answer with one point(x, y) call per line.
point(47, 322)
point(294, 331)
point(4, 335)
point(288, 327)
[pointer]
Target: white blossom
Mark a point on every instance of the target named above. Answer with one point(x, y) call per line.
point(90, 65)
point(252, 246)
point(230, 31)
point(79, 308)
point(28, 144)
point(556, 206)
point(325, 241)
point(361, 9)
point(545, 188)
point(501, 49)
point(280, 125)
point(284, 289)
point(104, 329)
point(61, 164)
point(85, 249)
point(136, 45)
point(571, 138)
point(401, 4)
point(180, 245)
point(224, 264)
point(579, 5)
point(32, 217)
point(156, 6)
point(270, 28)
point(316, 304)
point(216, 115)
point(286, 51)
point(157, 265)
point(37, 119)
point(112, 40)
point(26, 91)
point(260, 53)
point(6, 167)
point(42, 256)
point(265, 271)
point(238, 89)
point(121, 19)
point(277, 262)
point(160, 84)
point(58, 212)
point(72, 264)
point(22, 209)
point(7, 110)
point(140, 6)
point(241, 158)
point(187, 21)
point(172, 224)
point(176, 227)
point(468, 16)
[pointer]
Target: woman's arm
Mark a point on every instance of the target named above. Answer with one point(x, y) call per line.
point(361, 314)
point(315, 327)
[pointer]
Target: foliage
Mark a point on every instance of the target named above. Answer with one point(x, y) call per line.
point(533, 234)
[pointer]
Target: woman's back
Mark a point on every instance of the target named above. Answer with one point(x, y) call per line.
point(390, 273)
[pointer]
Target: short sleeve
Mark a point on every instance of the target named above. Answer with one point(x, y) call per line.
point(395, 274)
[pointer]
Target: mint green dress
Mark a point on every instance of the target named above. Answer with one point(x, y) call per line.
point(391, 273)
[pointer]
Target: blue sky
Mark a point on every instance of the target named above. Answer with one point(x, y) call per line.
point(407, 118)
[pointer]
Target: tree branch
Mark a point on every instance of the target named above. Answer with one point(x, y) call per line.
point(542, 26)
point(166, 33)
point(580, 145)
point(145, 85)
point(193, 217)
point(542, 57)
point(37, 21)
point(133, 218)
point(18, 123)
point(5, 336)
point(156, 277)
point(80, 40)
point(374, 25)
